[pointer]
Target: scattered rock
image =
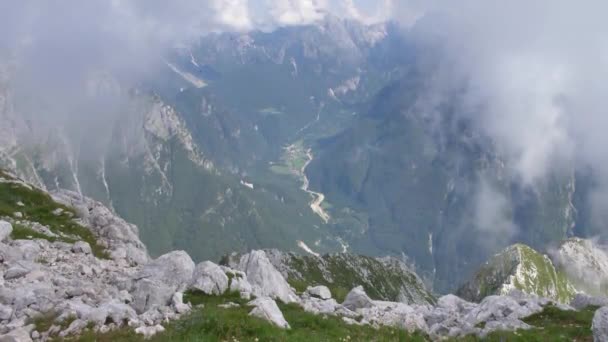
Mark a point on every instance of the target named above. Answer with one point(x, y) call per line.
point(5, 230)
point(582, 301)
point(319, 306)
point(178, 303)
point(148, 332)
point(229, 305)
point(17, 335)
point(357, 299)
point(81, 247)
point(266, 308)
point(15, 272)
point(319, 292)
point(18, 214)
point(5, 312)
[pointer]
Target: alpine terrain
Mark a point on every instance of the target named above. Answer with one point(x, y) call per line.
point(297, 170)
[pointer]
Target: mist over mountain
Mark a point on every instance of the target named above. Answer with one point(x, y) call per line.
point(440, 133)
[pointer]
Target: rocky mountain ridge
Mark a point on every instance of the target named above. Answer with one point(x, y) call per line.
point(48, 273)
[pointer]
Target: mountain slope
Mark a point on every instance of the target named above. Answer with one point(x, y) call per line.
point(519, 267)
point(422, 181)
point(386, 279)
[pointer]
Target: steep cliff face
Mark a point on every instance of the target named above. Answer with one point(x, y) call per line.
point(519, 267)
point(585, 263)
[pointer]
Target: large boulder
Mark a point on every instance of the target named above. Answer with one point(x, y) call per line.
point(5, 230)
point(393, 314)
point(238, 282)
point(319, 306)
point(148, 294)
point(496, 308)
point(357, 299)
point(266, 308)
point(455, 304)
point(17, 335)
point(267, 281)
point(159, 279)
point(582, 301)
point(209, 278)
point(600, 325)
point(81, 247)
point(174, 269)
point(319, 292)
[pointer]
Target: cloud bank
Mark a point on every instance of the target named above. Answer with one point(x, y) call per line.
point(533, 77)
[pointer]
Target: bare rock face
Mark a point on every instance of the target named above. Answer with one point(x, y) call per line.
point(267, 309)
point(600, 325)
point(120, 237)
point(266, 280)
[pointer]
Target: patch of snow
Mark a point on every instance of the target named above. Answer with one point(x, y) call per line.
point(195, 81)
point(347, 86)
point(249, 185)
point(294, 72)
point(307, 249)
point(343, 244)
point(193, 60)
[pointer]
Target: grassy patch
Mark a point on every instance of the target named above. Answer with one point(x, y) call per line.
point(21, 232)
point(381, 281)
point(212, 323)
point(44, 321)
point(552, 324)
point(40, 207)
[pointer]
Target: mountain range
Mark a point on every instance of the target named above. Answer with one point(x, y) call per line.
point(310, 139)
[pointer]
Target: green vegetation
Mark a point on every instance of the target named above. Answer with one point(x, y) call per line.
point(342, 272)
point(522, 268)
point(212, 323)
point(293, 159)
point(552, 324)
point(548, 281)
point(44, 321)
point(37, 206)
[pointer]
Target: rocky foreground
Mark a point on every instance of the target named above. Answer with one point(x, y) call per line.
point(53, 275)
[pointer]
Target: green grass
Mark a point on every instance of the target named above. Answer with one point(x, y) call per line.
point(540, 277)
point(212, 323)
point(38, 207)
point(380, 281)
point(21, 232)
point(44, 321)
point(552, 324)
